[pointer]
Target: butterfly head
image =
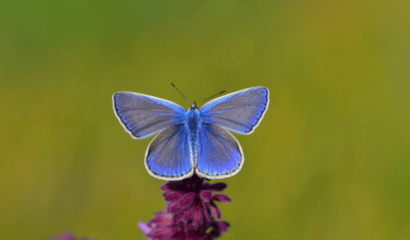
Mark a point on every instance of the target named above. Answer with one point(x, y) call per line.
point(193, 106)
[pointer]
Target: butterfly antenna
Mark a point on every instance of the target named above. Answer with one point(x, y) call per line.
point(181, 94)
point(224, 91)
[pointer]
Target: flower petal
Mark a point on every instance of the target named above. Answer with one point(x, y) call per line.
point(215, 187)
point(218, 228)
point(222, 226)
point(221, 198)
point(205, 196)
point(171, 196)
point(164, 232)
point(214, 210)
point(144, 227)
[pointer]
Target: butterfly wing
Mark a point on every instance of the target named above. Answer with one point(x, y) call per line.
point(142, 115)
point(168, 155)
point(240, 111)
point(219, 153)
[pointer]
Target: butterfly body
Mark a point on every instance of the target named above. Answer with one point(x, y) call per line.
point(193, 122)
point(193, 140)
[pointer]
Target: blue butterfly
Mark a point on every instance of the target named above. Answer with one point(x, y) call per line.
point(193, 140)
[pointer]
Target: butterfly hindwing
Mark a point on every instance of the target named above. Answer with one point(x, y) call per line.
point(142, 115)
point(219, 153)
point(168, 155)
point(240, 111)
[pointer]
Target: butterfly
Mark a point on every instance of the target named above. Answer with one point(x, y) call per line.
point(193, 140)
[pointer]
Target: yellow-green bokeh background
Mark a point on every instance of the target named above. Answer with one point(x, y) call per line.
point(331, 159)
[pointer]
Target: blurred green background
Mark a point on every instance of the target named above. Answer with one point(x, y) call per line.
point(331, 159)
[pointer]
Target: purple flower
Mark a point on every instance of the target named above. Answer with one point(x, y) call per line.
point(191, 212)
point(66, 236)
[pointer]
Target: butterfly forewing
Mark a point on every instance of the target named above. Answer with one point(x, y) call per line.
point(219, 153)
point(143, 115)
point(168, 155)
point(240, 111)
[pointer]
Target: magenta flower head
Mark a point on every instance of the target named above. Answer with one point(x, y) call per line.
point(67, 236)
point(191, 212)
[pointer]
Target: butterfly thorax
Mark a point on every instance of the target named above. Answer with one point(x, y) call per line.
point(193, 121)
